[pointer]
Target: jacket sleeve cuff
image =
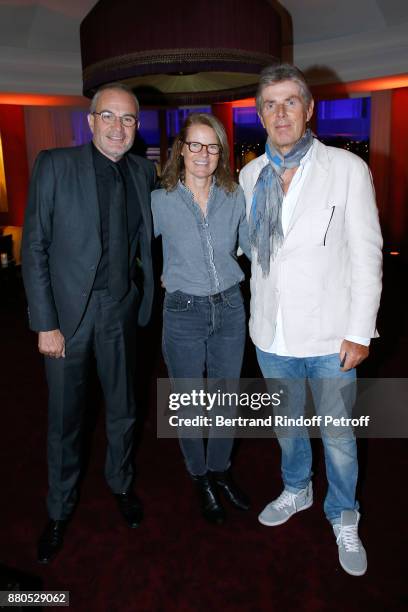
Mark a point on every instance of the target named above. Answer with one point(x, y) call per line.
point(359, 340)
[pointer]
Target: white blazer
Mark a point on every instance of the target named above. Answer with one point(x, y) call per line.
point(327, 274)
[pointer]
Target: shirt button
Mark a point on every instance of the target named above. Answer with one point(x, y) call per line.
point(92, 268)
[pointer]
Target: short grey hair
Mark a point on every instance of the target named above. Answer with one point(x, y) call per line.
point(117, 87)
point(282, 72)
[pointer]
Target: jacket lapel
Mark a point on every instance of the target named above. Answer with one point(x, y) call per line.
point(89, 193)
point(313, 193)
point(140, 183)
point(87, 181)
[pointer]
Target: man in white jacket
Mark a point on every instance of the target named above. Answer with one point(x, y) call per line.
point(315, 293)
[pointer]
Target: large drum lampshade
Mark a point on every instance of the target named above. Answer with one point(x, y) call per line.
point(181, 51)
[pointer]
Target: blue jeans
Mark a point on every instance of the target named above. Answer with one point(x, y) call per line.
point(333, 394)
point(204, 335)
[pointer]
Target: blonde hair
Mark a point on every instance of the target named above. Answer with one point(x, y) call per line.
point(174, 168)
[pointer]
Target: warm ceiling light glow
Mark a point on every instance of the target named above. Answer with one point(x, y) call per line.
point(363, 86)
point(23, 99)
point(345, 89)
point(394, 253)
point(3, 188)
point(243, 103)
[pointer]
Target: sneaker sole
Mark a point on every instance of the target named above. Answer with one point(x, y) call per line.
point(352, 572)
point(285, 520)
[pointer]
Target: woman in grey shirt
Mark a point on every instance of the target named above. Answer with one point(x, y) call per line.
point(200, 214)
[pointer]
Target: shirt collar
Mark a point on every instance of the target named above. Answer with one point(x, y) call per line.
point(306, 158)
point(184, 187)
point(102, 162)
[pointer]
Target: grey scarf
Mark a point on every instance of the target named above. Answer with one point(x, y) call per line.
point(265, 220)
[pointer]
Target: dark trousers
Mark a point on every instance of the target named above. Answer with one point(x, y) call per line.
point(204, 334)
point(107, 333)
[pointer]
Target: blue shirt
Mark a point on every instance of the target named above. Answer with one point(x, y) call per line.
point(200, 251)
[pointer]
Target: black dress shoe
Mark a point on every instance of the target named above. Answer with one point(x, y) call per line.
point(51, 540)
point(231, 490)
point(211, 508)
point(131, 508)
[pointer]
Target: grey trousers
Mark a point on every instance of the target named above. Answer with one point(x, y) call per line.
point(106, 333)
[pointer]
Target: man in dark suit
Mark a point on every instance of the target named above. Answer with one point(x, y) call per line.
point(86, 246)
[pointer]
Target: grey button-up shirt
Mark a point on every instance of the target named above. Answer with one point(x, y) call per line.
point(200, 251)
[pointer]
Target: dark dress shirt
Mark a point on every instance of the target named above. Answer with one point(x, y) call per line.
point(105, 182)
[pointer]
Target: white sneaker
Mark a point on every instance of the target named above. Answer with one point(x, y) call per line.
point(283, 507)
point(352, 556)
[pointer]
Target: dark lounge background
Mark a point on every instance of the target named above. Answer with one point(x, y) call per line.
point(175, 561)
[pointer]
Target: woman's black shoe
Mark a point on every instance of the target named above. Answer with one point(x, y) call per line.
point(211, 508)
point(231, 490)
point(130, 508)
point(51, 541)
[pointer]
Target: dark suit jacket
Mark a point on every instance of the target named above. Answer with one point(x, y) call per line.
point(61, 245)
